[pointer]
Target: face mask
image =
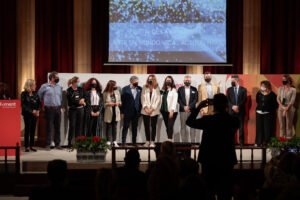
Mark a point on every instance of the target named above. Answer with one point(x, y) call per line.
point(135, 84)
point(56, 80)
point(207, 80)
point(284, 82)
point(93, 85)
point(187, 83)
point(233, 84)
point(263, 88)
point(115, 87)
point(78, 84)
point(150, 82)
point(168, 83)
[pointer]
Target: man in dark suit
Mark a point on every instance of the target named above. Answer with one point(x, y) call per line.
point(237, 96)
point(131, 108)
point(217, 151)
point(187, 99)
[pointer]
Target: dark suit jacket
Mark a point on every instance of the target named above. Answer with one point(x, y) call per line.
point(182, 101)
point(242, 97)
point(131, 106)
point(217, 146)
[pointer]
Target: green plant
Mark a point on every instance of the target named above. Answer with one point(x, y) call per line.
point(282, 143)
point(91, 144)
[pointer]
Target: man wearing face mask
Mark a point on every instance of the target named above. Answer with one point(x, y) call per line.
point(51, 94)
point(237, 96)
point(207, 90)
point(131, 108)
point(187, 99)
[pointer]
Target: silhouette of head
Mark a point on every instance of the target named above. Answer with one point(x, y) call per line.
point(57, 171)
point(220, 102)
point(132, 158)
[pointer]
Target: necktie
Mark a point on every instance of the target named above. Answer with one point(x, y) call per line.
point(235, 95)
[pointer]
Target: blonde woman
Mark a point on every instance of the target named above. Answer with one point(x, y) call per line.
point(112, 102)
point(30, 102)
point(151, 102)
point(76, 103)
point(286, 99)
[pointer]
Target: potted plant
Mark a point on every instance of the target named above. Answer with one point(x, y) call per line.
point(91, 148)
point(282, 144)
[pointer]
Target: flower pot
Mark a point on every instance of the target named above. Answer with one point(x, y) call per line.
point(99, 156)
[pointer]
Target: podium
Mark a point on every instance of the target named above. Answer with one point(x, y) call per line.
point(10, 124)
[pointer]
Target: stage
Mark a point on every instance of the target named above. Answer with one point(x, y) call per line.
point(36, 162)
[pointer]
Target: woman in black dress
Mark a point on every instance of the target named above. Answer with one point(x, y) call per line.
point(266, 105)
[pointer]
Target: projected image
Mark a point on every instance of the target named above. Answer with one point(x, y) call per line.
point(167, 31)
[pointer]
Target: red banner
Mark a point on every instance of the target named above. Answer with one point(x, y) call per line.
point(10, 124)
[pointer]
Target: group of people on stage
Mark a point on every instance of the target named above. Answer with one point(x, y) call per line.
point(89, 108)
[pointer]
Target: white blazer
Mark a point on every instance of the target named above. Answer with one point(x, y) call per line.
point(172, 100)
point(154, 102)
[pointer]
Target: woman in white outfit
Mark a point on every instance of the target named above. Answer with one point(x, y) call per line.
point(151, 102)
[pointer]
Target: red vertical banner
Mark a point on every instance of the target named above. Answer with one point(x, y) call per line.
point(10, 124)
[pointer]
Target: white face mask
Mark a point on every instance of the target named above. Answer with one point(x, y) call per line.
point(263, 88)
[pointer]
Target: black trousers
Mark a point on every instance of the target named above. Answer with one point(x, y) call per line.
point(53, 118)
point(133, 119)
point(150, 122)
point(30, 125)
point(111, 131)
point(265, 126)
point(75, 123)
point(169, 123)
point(241, 117)
point(219, 180)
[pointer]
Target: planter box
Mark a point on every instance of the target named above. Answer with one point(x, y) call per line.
point(90, 156)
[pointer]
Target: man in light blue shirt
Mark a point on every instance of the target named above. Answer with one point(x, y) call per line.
point(51, 94)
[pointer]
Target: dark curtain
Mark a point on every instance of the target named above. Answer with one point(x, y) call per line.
point(280, 36)
point(54, 38)
point(234, 40)
point(8, 44)
point(100, 17)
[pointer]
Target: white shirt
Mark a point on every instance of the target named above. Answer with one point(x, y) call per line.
point(94, 98)
point(133, 91)
point(209, 90)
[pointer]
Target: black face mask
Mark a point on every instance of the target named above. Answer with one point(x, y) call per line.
point(187, 83)
point(56, 80)
point(207, 80)
point(284, 82)
point(168, 83)
point(93, 85)
point(233, 84)
point(150, 82)
point(135, 84)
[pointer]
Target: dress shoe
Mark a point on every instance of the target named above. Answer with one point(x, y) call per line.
point(58, 147)
point(27, 149)
point(32, 149)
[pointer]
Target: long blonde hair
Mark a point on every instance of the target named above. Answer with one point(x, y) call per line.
point(28, 84)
